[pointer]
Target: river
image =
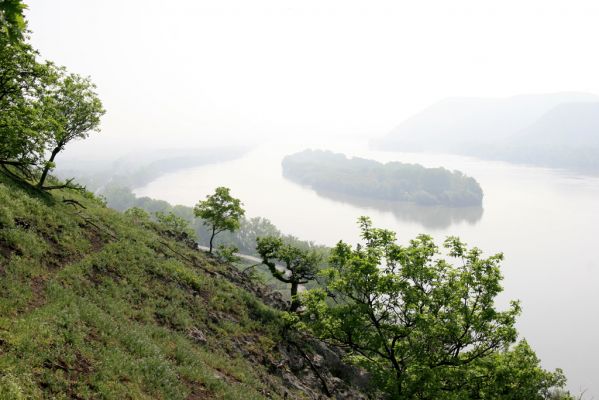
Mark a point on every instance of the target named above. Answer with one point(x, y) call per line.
point(546, 222)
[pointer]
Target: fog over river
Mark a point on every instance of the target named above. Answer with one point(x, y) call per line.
point(545, 221)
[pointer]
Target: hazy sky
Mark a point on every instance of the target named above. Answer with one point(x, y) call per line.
point(220, 69)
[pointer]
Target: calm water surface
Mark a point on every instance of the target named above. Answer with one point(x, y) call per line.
point(546, 222)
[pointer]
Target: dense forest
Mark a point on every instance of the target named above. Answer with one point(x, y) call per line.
point(395, 181)
point(97, 303)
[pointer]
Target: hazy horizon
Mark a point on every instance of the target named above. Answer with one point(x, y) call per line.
point(216, 72)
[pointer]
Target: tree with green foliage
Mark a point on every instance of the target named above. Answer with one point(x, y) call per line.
point(22, 118)
point(42, 107)
point(73, 110)
point(516, 373)
point(301, 265)
point(221, 212)
point(173, 225)
point(138, 215)
point(227, 254)
point(424, 328)
point(12, 20)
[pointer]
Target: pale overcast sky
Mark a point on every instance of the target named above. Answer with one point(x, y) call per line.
point(224, 68)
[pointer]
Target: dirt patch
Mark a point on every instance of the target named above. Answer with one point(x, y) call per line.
point(6, 251)
point(198, 391)
point(22, 223)
point(58, 258)
point(95, 240)
point(75, 371)
point(5, 254)
point(38, 294)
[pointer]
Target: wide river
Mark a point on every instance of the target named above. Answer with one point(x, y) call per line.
point(546, 222)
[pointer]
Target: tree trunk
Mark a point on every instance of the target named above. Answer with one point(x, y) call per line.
point(40, 184)
point(212, 238)
point(295, 303)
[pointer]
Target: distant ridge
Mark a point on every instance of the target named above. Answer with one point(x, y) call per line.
point(527, 128)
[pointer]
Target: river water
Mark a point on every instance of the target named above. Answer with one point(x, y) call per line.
point(546, 222)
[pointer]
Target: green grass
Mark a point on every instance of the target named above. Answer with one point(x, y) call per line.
point(94, 305)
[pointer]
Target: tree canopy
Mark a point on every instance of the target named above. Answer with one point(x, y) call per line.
point(394, 181)
point(220, 211)
point(424, 327)
point(301, 265)
point(72, 109)
point(42, 106)
point(12, 20)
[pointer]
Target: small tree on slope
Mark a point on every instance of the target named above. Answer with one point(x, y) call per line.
point(220, 211)
point(301, 265)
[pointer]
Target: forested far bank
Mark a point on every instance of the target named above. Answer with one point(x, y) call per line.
point(393, 181)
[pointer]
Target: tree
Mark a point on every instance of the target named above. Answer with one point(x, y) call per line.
point(220, 211)
point(22, 117)
point(173, 225)
point(424, 328)
point(517, 374)
point(73, 110)
point(12, 20)
point(22, 79)
point(42, 107)
point(301, 265)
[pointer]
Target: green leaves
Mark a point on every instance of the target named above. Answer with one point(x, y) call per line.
point(221, 211)
point(423, 325)
point(12, 21)
point(42, 106)
point(301, 265)
point(71, 111)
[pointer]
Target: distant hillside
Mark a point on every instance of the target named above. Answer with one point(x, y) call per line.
point(138, 169)
point(394, 181)
point(555, 130)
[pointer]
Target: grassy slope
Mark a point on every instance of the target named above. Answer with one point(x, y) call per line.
point(93, 305)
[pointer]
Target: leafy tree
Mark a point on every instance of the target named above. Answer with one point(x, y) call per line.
point(12, 20)
point(516, 374)
point(138, 215)
point(424, 328)
point(22, 119)
point(227, 254)
point(172, 224)
point(220, 211)
point(73, 110)
point(301, 265)
point(42, 108)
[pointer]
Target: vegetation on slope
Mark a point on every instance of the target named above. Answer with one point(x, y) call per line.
point(244, 238)
point(324, 170)
point(98, 304)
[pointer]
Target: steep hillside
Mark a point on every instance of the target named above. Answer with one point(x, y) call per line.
point(98, 304)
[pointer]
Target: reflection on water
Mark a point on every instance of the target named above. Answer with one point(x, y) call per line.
point(430, 217)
